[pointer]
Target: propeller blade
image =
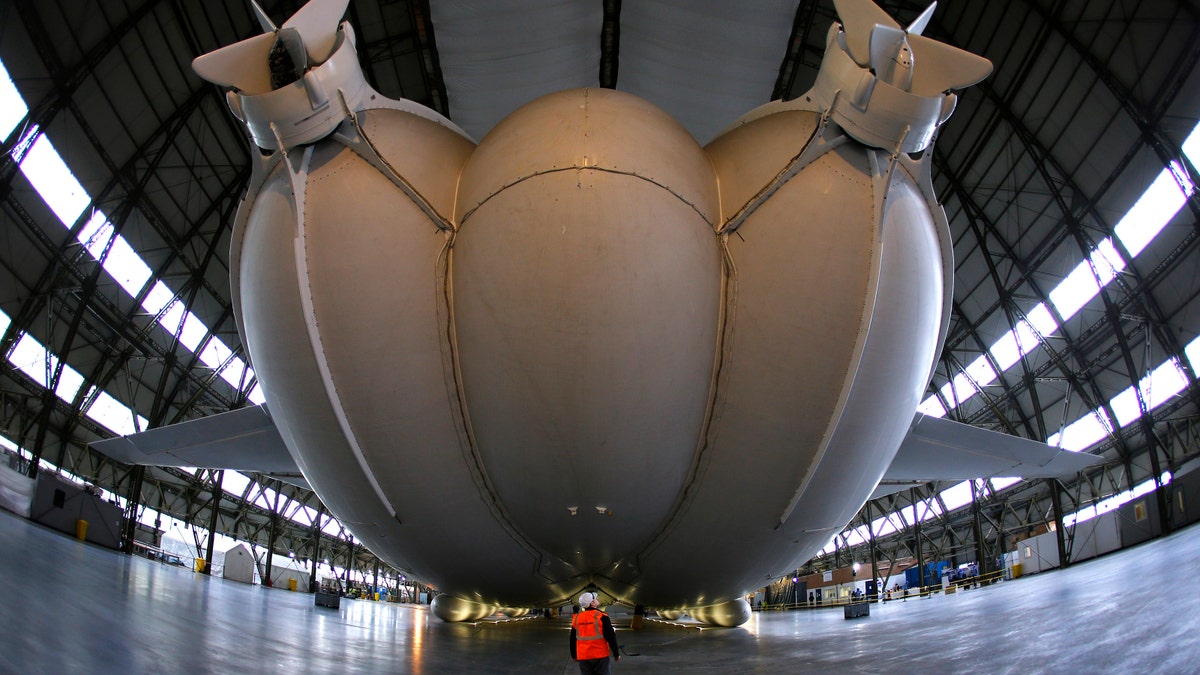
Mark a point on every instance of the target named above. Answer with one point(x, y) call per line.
point(241, 65)
point(941, 67)
point(859, 18)
point(268, 26)
point(918, 25)
point(317, 23)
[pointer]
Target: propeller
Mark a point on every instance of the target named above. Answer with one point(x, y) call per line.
point(307, 38)
point(903, 57)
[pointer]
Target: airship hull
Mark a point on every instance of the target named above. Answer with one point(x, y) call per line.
point(587, 287)
point(833, 319)
point(587, 352)
point(517, 369)
point(339, 289)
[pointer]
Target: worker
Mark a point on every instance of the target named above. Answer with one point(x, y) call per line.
point(593, 639)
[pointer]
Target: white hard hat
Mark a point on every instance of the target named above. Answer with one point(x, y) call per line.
point(587, 599)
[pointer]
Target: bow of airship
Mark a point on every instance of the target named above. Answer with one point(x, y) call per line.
point(587, 351)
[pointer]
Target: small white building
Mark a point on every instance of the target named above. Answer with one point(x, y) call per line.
point(281, 577)
point(239, 564)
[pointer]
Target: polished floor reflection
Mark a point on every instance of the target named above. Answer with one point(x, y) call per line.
point(74, 608)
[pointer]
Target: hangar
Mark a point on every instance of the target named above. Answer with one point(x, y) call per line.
point(1066, 176)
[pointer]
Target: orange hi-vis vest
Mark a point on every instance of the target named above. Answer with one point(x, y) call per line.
point(589, 635)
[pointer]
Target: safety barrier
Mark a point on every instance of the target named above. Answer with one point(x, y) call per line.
point(954, 586)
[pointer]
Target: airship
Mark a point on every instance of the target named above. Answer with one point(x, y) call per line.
point(586, 351)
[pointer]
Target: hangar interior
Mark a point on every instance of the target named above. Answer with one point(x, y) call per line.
point(1068, 178)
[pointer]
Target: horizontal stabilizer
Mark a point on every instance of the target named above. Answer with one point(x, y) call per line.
point(937, 449)
point(243, 440)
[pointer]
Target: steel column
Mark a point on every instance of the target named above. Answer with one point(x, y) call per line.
point(217, 477)
point(919, 546)
point(1059, 530)
point(133, 502)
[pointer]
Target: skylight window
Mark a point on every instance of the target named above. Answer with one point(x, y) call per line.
point(1115, 501)
point(44, 168)
point(1001, 483)
point(1042, 321)
point(115, 415)
point(301, 514)
point(49, 175)
point(332, 528)
point(957, 495)
point(126, 266)
point(1075, 290)
point(306, 514)
point(1144, 221)
point(885, 525)
point(12, 106)
point(1160, 386)
point(981, 372)
point(1083, 433)
point(69, 380)
point(1155, 209)
point(857, 536)
point(1192, 351)
point(1016, 343)
point(235, 482)
point(264, 498)
point(95, 234)
point(158, 298)
point(30, 357)
point(216, 353)
point(933, 407)
point(1007, 350)
point(191, 330)
point(1107, 261)
point(958, 390)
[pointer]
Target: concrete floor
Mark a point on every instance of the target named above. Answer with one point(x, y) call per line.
point(74, 608)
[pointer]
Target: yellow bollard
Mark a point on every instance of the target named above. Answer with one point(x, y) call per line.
point(81, 529)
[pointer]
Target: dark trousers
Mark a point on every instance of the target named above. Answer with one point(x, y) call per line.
point(593, 666)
